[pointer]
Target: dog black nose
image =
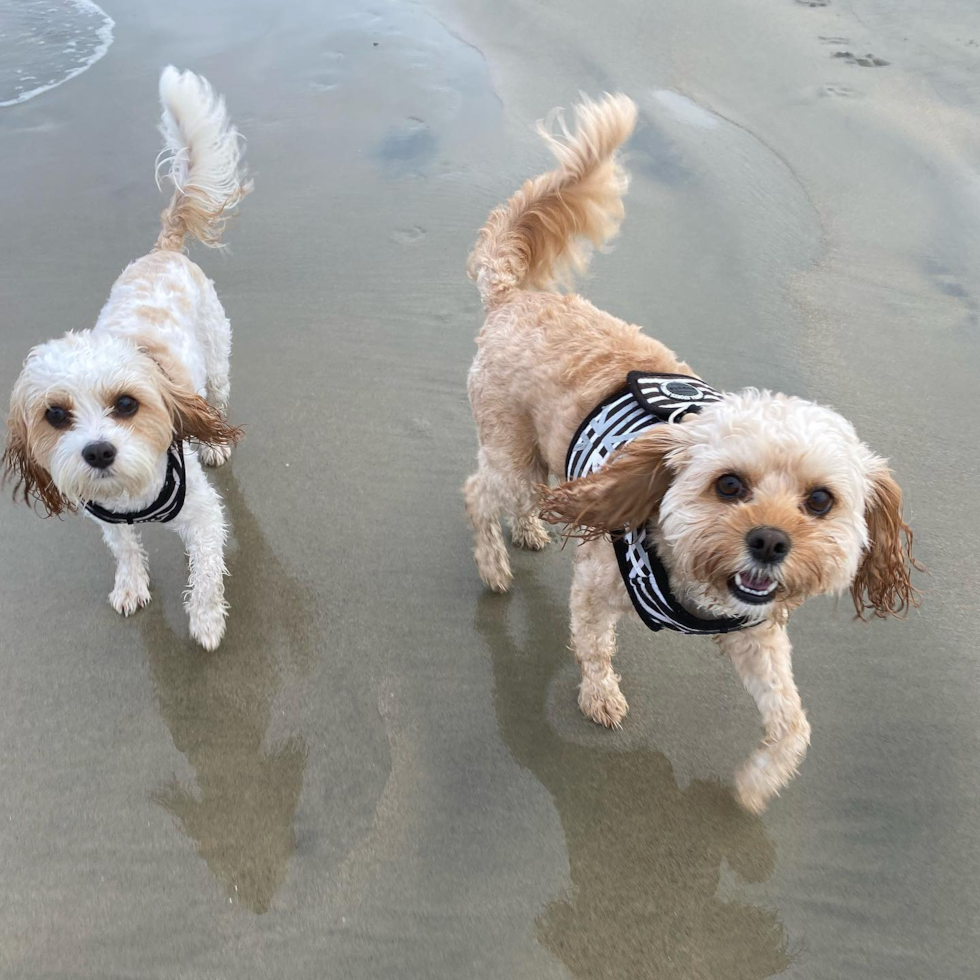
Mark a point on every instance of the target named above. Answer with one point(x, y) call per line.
point(99, 454)
point(768, 545)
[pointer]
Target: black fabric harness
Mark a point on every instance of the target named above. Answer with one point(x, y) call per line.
point(646, 400)
point(168, 503)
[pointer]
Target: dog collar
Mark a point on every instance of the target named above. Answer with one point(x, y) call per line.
point(647, 400)
point(168, 503)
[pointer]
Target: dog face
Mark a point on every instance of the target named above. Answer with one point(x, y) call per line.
point(91, 419)
point(756, 504)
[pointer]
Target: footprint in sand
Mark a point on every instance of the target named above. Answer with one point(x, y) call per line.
point(407, 149)
point(864, 60)
point(838, 91)
point(408, 236)
point(329, 78)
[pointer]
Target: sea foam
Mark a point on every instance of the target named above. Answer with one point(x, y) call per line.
point(44, 43)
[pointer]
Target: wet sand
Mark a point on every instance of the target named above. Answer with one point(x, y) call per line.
point(382, 772)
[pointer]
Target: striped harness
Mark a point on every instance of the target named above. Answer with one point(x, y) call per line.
point(168, 503)
point(646, 400)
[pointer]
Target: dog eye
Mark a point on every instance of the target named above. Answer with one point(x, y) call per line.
point(57, 417)
point(125, 405)
point(730, 487)
point(819, 502)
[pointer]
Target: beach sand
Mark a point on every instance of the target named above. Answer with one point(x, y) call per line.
point(383, 772)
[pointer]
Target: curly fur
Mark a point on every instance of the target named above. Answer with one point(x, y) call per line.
point(31, 482)
point(163, 339)
point(883, 583)
point(626, 492)
point(539, 237)
point(545, 360)
point(203, 151)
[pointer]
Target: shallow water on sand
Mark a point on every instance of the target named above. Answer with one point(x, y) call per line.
point(44, 43)
point(383, 771)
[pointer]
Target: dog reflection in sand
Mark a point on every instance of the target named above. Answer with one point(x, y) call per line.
point(241, 810)
point(753, 505)
point(645, 856)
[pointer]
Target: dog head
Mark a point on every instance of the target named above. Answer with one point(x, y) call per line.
point(756, 504)
point(92, 416)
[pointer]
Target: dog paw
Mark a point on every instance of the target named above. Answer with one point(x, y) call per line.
point(496, 579)
point(771, 766)
point(529, 533)
point(754, 785)
point(130, 595)
point(208, 626)
point(603, 701)
point(214, 455)
point(493, 564)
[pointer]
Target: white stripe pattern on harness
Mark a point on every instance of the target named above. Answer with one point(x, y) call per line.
point(646, 401)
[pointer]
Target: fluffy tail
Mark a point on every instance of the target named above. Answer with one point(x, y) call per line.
point(202, 153)
point(541, 236)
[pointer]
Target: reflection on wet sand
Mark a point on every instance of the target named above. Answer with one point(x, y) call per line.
point(217, 707)
point(644, 855)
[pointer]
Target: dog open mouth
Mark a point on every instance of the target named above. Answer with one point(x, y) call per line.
point(752, 587)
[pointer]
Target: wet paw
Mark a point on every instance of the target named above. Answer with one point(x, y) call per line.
point(495, 576)
point(130, 595)
point(208, 626)
point(603, 702)
point(214, 456)
point(529, 533)
point(754, 786)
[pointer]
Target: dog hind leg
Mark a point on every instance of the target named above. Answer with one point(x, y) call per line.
point(486, 494)
point(527, 530)
point(215, 331)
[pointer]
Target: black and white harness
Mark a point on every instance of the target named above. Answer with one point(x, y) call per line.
point(168, 503)
point(646, 400)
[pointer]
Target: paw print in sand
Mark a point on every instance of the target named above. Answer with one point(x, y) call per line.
point(864, 60)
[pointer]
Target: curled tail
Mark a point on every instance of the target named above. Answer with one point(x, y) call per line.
point(202, 152)
point(541, 236)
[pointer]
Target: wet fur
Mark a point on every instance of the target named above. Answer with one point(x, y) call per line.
point(161, 338)
point(545, 360)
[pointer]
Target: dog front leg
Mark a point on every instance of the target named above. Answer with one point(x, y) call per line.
point(202, 528)
point(761, 655)
point(594, 616)
point(132, 587)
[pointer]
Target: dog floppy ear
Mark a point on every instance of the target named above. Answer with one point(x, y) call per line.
point(32, 482)
point(192, 417)
point(625, 492)
point(883, 582)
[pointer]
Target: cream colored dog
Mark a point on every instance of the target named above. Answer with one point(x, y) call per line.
point(755, 504)
point(100, 418)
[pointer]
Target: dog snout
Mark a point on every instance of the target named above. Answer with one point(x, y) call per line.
point(99, 454)
point(768, 545)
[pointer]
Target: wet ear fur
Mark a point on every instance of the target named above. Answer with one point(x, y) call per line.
point(32, 482)
point(625, 492)
point(193, 417)
point(883, 582)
